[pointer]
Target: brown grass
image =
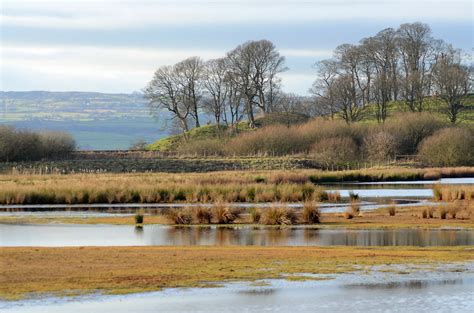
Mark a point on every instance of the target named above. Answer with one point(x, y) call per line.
point(232, 186)
point(118, 270)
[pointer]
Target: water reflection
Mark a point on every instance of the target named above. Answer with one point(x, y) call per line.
point(157, 235)
point(411, 284)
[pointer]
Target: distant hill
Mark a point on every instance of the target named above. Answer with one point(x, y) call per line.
point(96, 120)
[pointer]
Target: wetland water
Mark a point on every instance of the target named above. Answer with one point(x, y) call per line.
point(51, 235)
point(418, 291)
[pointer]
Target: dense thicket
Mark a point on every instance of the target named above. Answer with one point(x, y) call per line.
point(334, 142)
point(25, 145)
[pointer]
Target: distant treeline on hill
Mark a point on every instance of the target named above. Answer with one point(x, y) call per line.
point(25, 145)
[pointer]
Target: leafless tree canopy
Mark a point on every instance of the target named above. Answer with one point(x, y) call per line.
point(245, 81)
point(406, 64)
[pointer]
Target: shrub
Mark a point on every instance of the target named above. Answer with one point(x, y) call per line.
point(311, 213)
point(24, 145)
point(380, 146)
point(139, 217)
point(271, 140)
point(279, 216)
point(335, 150)
point(180, 216)
point(448, 147)
point(410, 129)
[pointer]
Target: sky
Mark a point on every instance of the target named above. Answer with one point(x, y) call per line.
point(116, 45)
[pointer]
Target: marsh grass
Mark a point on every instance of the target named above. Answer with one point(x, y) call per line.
point(255, 215)
point(453, 192)
point(180, 216)
point(231, 186)
point(311, 214)
point(139, 217)
point(203, 215)
point(279, 216)
point(224, 214)
point(392, 210)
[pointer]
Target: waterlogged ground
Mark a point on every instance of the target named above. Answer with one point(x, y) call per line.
point(408, 289)
point(159, 235)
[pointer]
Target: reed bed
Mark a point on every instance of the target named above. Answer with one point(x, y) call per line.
point(453, 192)
point(233, 186)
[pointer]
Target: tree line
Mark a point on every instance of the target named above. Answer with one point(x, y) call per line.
point(405, 64)
point(25, 145)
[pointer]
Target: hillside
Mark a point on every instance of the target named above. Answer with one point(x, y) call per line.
point(96, 120)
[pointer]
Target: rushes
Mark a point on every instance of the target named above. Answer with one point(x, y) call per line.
point(311, 213)
point(352, 211)
point(392, 210)
point(453, 193)
point(279, 216)
point(255, 215)
point(203, 215)
point(180, 216)
point(225, 215)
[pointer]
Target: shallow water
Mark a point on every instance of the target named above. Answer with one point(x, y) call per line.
point(421, 291)
point(157, 235)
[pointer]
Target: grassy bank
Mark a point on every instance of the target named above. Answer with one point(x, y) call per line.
point(230, 186)
point(117, 270)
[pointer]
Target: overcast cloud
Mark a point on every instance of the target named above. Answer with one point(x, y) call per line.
point(114, 46)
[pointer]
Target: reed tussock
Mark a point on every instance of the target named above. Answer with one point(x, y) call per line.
point(453, 192)
point(279, 216)
point(180, 216)
point(203, 215)
point(224, 214)
point(311, 213)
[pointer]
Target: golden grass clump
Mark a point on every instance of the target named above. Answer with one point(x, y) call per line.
point(352, 211)
point(203, 215)
point(279, 216)
point(180, 216)
point(311, 213)
point(224, 215)
point(255, 215)
point(392, 210)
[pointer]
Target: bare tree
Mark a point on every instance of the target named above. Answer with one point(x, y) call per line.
point(289, 104)
point(214, 83)
point(452, 82)
point(323, 88)
point(242, 77)
point(189, 73)
point(267, 63)
point(347, 103)
point(164, 92)
point(381, 51)
point(418, 51)
point(254, 67)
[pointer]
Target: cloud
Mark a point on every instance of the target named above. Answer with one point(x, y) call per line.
point(110, 14)
point(110, 68)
